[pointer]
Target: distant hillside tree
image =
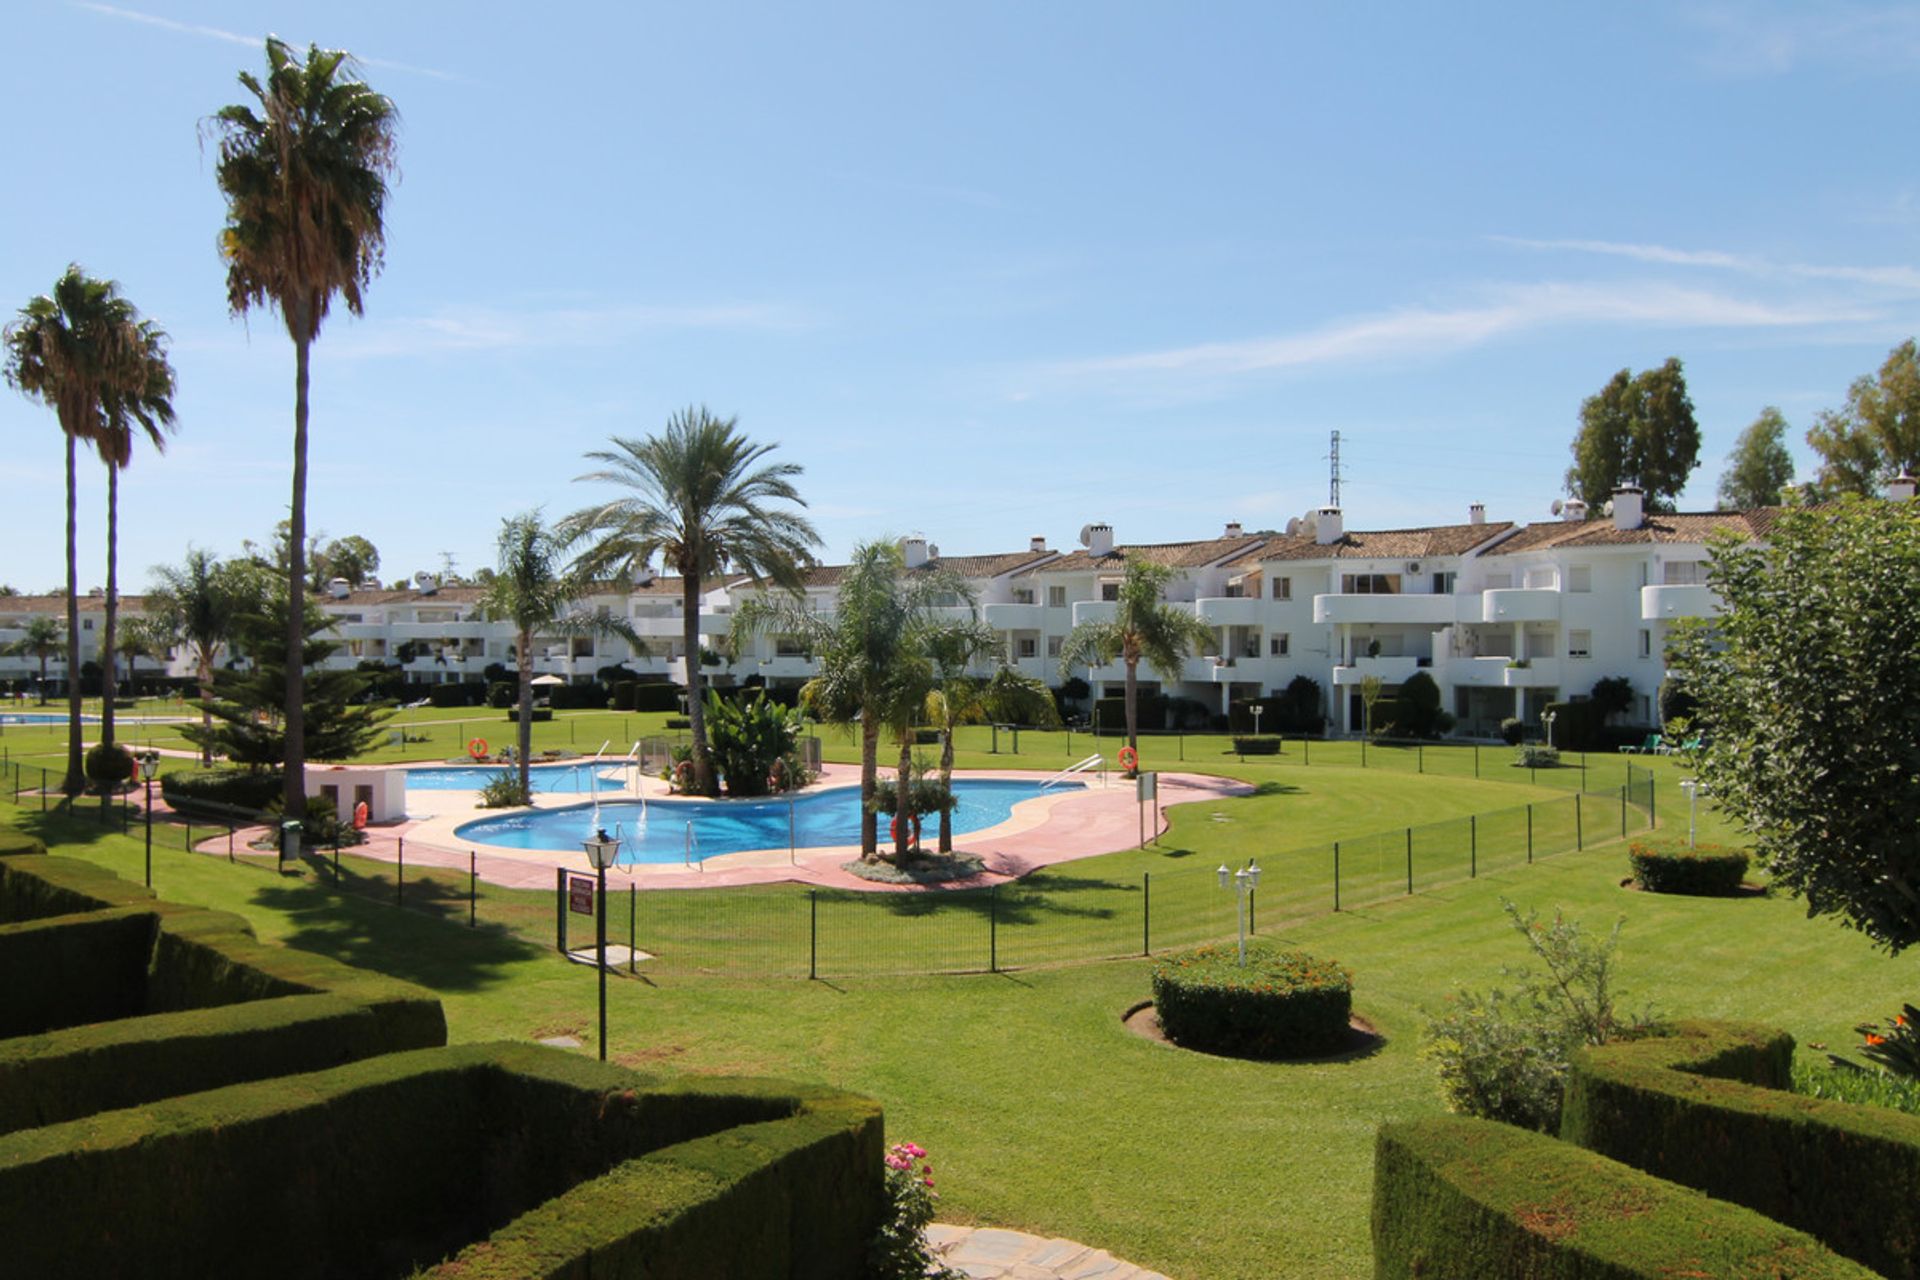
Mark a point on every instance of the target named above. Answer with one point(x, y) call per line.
point(1638, 429)
point(1759, 469)
point(1876, 435)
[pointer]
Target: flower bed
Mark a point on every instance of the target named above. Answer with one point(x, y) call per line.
point(1709, 870)
point(1280, 1004)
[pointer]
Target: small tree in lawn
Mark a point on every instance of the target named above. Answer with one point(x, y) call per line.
point(1613, 695)
point(1143, 626)
point(1807, 696)
point(1372, 689)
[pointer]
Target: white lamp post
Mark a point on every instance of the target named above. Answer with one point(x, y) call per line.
point(1692, 787)
point(149, 766)
point(1257, 708)
point(1243, 883)
point(601, 849)
point(1546, 722)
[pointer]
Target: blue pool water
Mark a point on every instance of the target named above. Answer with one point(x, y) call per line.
point(548, 779)
point(819, 818)
point(40, 717)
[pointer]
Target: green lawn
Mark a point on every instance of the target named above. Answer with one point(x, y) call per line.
point(1041, 1110)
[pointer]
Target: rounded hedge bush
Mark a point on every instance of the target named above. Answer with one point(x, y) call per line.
point(1709, 870)
point(219, 790)
point(109, 765)
point(1281, 1004)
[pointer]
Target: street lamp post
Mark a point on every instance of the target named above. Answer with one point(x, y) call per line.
point(1256, 708)
point(1692, 787)
point(149, 765)
point(601, 849)
point(1546, 722)
point(1243, 883)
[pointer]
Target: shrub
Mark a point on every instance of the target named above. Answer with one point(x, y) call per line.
point(1416, 712)
point(679, 722)
point(1533, 755)
point(900, 1250)
point(216, 790)
point(1577, 726)
point(1896, 1046)
point(1512, 731)
point(747, 737)
point(1709, 870)
point(1841, 1081)
point(623, 694)
point(1504, 1056)
point(503, 693)
point(588, 696)
point(656, 697)
point(503, 791)
point(1459, 1197)
point(1280, 1004)
point(465, 693)
point(1249, 745)
point(109, 765)
point(535, 715)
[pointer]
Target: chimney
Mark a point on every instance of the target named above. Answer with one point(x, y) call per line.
point(915, 550)
point(1037, 543)
point(1327, 528)
point(1573, 510)
point(1099, 538)
point(1629, 502)
point(1233, 530)
point(1901, 488)
point(1477, 513)
point(339, 588)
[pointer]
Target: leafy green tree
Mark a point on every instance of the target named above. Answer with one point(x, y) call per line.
point(533, 590)
point(1613, 695)
point(249, 724)
point(749, 735)
point(1877, 435)
point(699, 497)
point(1008, 697)
point(197, 601)
point(351, 557)
point(956, 696)
point(1807, 692)
point(83, 351)
point(1372, 689)
point(1637, 429)
point(304, 170)
point(1416, 708)
point(1759, 468)
point(41, 639)
point(1143, 626)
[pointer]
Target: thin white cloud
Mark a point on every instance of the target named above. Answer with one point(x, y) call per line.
point(1421, 331)
point(234, 37)
point(1891, 277)
point(1746, 40)
point(465, 329)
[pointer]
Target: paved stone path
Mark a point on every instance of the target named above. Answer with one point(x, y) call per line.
point(989, 1253)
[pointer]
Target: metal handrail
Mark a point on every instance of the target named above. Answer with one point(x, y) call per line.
point(1093, 761)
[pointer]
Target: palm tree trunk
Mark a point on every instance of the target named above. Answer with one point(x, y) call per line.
point(903, 799)
point(109, 654)
point(946, 784)
point(203, 670)
point(76, 779)
point(294, 790)
point(703, 779)
point(525, 734)
point(1133, 684)
point(869, 787)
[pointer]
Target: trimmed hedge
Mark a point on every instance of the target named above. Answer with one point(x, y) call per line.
point(36, 885)
point(537, 1163)
point(79, 969)
point(590, 695)
point(1281, 1004)
point(1710, 870)
point(216, 790)
point(18, 842)
point(1706, 1106)
point(464, 693)
point(656, 697)
point(1249, 745)
point(1459, 1197)
point(534, 715)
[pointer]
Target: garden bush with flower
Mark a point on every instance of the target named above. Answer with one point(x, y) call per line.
point(1280, 1004)
point(900, 1250)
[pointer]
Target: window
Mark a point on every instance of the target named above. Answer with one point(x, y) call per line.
point(1370, 584)
point(1543, 578)
point(1443, 584)
point(86, 624)
point(1499, 581)
point(1283, 588)
point(1279, 646)
point(789, 647)
point(1056, 597)
point(1053, 645)
point(1023, 595)
point(1109, 591)
point(1685, 573)
point(1646, 643)
point(1580, 578)
point(1025, 647)
point(1579, 644)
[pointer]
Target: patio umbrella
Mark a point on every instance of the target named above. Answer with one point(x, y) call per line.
point(549, 680)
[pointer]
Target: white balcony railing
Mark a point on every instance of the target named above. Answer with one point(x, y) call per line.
point(1658, 604)
point(1390, 670)
point(1520, 604)
point(1539, 673)
point(1333, 609)
point(1228, 611)
point(1014, 617)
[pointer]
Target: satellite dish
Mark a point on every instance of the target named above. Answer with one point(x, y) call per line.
point(1086, 535)
point(1557, 507)
point(423, 579)
point(933, 551)
point(1293, 527)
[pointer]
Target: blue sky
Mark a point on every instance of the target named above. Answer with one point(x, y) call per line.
point(986, 271)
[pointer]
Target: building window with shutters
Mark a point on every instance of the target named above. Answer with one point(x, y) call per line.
point(1279, 646)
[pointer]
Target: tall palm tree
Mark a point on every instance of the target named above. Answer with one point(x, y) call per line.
point(148, 407)
point(699, 498)
point(41, 639)
point(1143, 626)
point(304, 168)
point(956, 698)
point(72, 350)
point(197, 601)
point(536, 593)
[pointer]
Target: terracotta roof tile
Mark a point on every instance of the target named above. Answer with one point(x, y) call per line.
point(1389, 544)
point(1659, 528)
point(1175, 555)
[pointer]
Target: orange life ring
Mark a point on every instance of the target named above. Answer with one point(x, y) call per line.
point(360, 816)
point(894, 830)
point(776, 775)
point(683, 774)
point(1129, 759)
point(477, 748)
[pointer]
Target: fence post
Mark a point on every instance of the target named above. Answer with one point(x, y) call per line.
point(1146, 913)
point(1623, 813)
point(993, 929)
point(400, 872)
point(1409, 859)
point(1579, 833)
point(336, 864)
point(1419, 757)
point(1476, 759)
point(1473, 846)
point(1529, 833)
point(1653, 810)
point(1306, 751)
point(1336, 875)
point(813, 933)
point(473, 889)
point(560, 909)
point(633, 933)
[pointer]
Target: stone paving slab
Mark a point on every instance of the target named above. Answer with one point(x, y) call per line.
point(993, 1253)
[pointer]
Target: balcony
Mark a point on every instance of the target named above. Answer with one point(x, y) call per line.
point(1228, 611)
point(718, 623)
point(1440, 610)
point(1390, 670)
point(1539, 673)
point(434, 632)
point(658, 626)
point(791, 667)
point(1015, 617)
point(1663, 604)
point(1520, 604)
point(1484, 673)
point(1094, 611)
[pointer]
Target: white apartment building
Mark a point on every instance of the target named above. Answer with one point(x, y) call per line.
point(1505, 618)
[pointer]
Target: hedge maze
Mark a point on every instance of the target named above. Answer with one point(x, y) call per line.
point(178, 1099)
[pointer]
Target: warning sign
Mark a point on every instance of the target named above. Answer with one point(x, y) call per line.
point(580, 895)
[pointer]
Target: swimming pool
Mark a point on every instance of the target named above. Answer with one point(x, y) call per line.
point(547, 779)
point(819, 818)
point(40, 717)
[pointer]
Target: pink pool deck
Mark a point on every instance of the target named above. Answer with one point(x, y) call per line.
point(1078, 822)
